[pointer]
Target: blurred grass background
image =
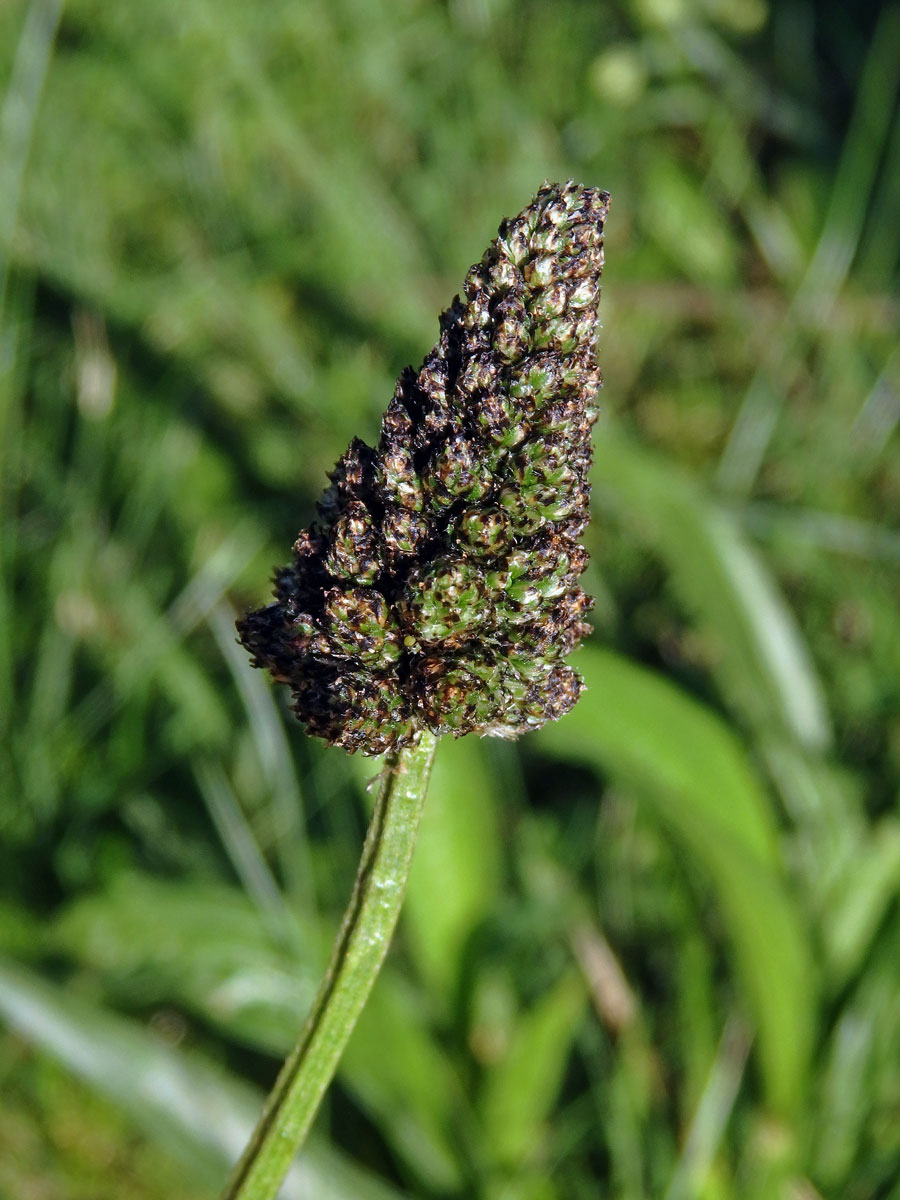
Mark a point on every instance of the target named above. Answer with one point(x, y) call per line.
point(651, 952)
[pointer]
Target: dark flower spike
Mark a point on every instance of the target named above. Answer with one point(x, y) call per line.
point(439, 587)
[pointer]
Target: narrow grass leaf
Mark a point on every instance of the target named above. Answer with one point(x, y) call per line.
point(862, 901)
point(243, 849)
point(684, 761)
point(520, 1090)
point(213, 951)
point(404, 1079)
point(455, 872)
point(203, 947)
point(763, 663)
point(200, 1113)
point(276, 764)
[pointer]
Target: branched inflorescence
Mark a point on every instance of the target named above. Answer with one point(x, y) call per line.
point(439, 587)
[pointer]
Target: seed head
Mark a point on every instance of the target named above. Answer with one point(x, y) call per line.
point(439, 587)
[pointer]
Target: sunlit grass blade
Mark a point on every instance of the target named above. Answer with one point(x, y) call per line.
point(205, 948)
point(199, 1112)
point(242, 847)
point(712, 1115)
point(870, 126)
point(520, 1090)
point(828, 268)
point(861, 901)
point(400, 1073)
point(680, 759)
point(156, 639)
point(211, 952)
point(275, 762)
point(17, 119)
point(833, 532)
point(759, 653)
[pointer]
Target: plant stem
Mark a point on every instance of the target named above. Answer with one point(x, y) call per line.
point(356, 958)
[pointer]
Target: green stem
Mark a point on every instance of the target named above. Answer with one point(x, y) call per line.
point(356, 958)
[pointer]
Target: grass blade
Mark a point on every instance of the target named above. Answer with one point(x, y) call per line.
point(683, 761)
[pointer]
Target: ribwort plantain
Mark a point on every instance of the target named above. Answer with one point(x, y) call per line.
point(438, 588)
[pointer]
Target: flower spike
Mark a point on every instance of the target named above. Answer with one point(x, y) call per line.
point(439, 587)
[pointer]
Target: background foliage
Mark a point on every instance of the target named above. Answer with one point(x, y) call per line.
point(652, 951)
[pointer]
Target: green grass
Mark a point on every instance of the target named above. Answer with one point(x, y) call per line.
point(649, 952)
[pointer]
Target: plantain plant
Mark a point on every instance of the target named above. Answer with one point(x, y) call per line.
point(438, 593)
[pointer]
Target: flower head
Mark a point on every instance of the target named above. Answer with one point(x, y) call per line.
point(439, 587)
